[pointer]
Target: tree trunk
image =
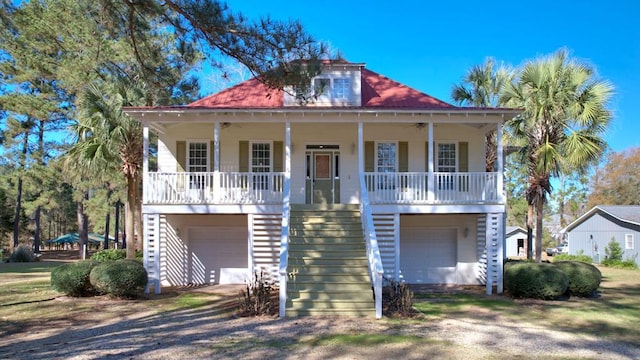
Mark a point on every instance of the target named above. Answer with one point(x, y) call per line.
point(36, 234)
point(106, 230)
point(529, 232)
point(131, 217)
point(139, 237)
point(16, 216)
point(82, 232)
point(117, 224)
point(539, 212)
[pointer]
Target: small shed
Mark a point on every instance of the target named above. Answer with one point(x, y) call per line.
point(515, 241)
point(590, 233)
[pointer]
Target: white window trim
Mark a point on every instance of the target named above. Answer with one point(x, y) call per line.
point(436, 157)
point(628, 245)
point(251, 143)
point(376, 153)
point(207, 143)
point(327, 96)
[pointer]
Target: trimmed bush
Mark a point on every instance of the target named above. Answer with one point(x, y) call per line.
point(120, 278)
point(584, 279)
point(534, 280)
point(109, 254)
point(22, 253)
point(72, 279)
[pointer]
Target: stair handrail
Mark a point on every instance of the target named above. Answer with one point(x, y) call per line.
point(284, 243)
point(376, 270)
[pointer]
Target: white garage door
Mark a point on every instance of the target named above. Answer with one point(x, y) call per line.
point(428, 256)
point(217, 255)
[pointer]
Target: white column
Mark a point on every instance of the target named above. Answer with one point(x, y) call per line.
point(430, 176)
point(500, 163)
point(145, 163)
point(216, 162)
point(360, 149)
point(284, 235)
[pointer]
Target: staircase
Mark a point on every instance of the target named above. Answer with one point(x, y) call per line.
point(328, 268)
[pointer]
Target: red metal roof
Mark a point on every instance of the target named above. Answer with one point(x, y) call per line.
point(377, 92)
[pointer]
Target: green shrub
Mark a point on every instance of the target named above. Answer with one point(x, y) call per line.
point(255, 299)
point(534, 280)
point(73, 278)
point(120, 278)
point(22, 253)
point(109, 254)
point(613, 250)
point(584, 279)
point(620, 264)
point(580, 257)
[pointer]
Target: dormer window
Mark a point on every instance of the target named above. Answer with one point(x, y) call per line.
point(335, 86)
point(321, 86)
point(340, 89)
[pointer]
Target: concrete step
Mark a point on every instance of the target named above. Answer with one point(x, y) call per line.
point(329, 269)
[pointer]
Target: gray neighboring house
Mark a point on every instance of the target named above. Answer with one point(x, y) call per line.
point(515, 242)
point(591, 232)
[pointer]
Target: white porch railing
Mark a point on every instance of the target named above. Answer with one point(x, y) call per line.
point(200, 188)
point(448, 188)
point(376, 271)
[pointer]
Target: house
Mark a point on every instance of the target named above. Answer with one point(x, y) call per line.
point(591, 233)
point(515, 242)
point(371, 180)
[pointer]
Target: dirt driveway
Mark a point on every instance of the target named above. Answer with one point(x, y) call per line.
point(141, 330)
point(125, 330)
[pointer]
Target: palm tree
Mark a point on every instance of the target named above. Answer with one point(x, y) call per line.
point(560, 129)
point(481, 88)
point(106, 136)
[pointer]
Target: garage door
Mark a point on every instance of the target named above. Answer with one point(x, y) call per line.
point(428, 256)
point(217, 255)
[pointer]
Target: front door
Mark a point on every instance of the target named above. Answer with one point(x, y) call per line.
point(323, 181)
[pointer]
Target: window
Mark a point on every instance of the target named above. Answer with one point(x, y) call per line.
point(447, 158)
point(386, 163)
point(197, 161)
point(341, 89)
point(321, 86)
point(446, 164)
point(261, 163)
point(628, 241)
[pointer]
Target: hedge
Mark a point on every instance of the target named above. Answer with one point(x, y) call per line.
point(584, 279)
point(73, 278)
point(535, 280)
point(120, 278)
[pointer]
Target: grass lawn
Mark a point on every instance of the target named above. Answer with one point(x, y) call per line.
point(27, 302)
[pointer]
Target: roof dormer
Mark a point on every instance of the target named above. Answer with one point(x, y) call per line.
point(339, 85)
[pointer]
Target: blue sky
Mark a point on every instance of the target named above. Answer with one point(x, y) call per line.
point(429, 45)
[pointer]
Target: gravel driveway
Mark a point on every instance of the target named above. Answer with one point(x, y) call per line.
point(208, 333)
